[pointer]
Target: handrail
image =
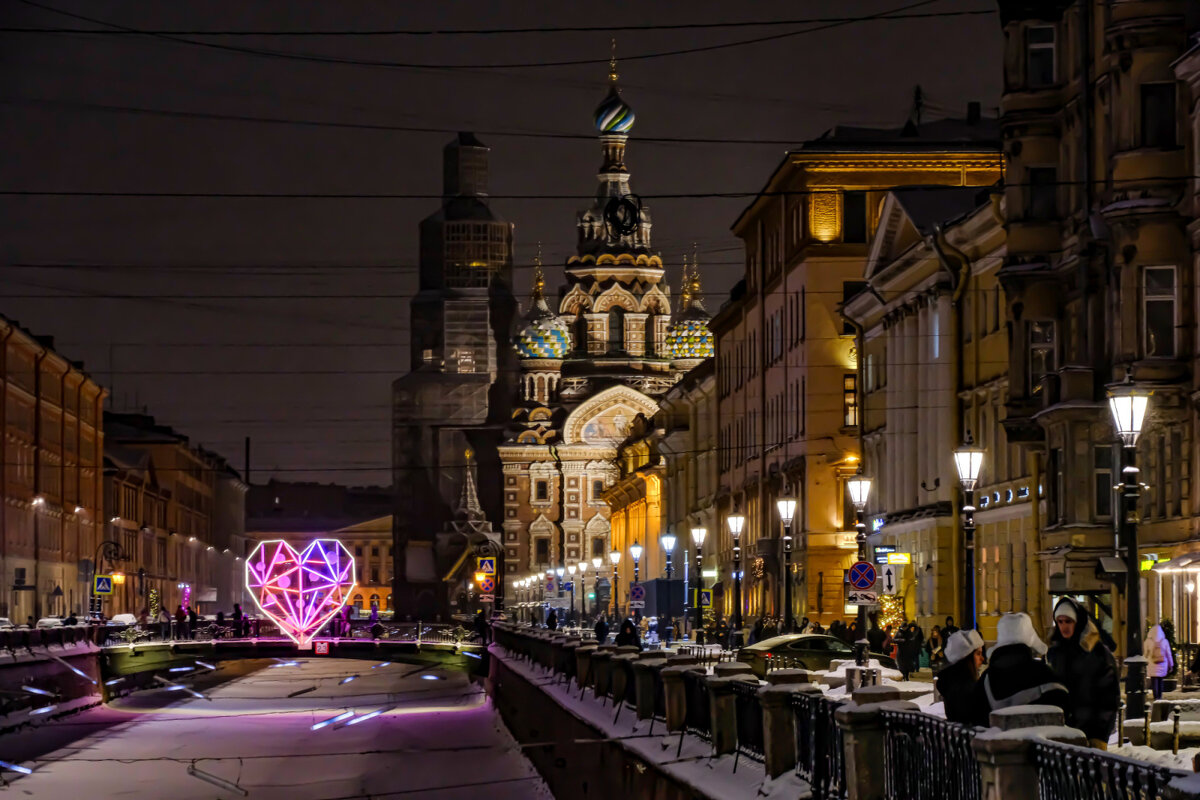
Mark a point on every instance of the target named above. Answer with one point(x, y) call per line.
point(1070, 772)
point(820, 750)
point(928, 758)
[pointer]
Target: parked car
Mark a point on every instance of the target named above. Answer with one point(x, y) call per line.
point(803, 651)
point(50, 622)
point(123, 619)
point(6, 624)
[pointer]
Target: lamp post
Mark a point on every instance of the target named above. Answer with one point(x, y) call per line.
point(635, 550)
point(736, 522)
point(571, 572)
point(668, 543)
point(969, 460)
point(1128, 406)
point(787, 510)
point(112, 553)
point(859, 487)
point(597, 562)
point(582, 566)
point(698, 534)
point(615, 558)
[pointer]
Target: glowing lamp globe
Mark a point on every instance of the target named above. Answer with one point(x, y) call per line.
point(859, 488)
point(300, 592)
point(736, 522)
point(635, 550)
point(615, 557)
point(787, 509)
point(968, 459)
point(668, 542)
point(1128, 407)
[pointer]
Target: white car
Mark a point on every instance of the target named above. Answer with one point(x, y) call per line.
point(50, 622)
point(123, 619)
point(6, 624)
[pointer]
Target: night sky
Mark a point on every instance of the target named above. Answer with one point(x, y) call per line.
point(286, 319)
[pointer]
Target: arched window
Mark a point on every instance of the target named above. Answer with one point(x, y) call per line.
point(389, 605)
point(580, 332)
point(616, 329)
point(375, 601)
point(358, 601)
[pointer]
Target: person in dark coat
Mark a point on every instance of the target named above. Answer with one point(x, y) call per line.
point(552, 620)
point(756, 633)
point(1016, 676)
point(482, 628)
point(1088, 669)
point(601, 631)
point(956, 681)
point(193, 622)
point(180, 623)
point(628, 635)
point(875, 634)
point(950, 629)
point(935, 647)
point(908, 649)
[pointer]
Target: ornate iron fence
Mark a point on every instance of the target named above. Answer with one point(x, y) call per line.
point(928, 758)
point(749, 719)
point(698, 719)
point(820, 752)
point(1068, 772)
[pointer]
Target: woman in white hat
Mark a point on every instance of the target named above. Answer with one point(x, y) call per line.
point(1016, 675)
point(956, 680)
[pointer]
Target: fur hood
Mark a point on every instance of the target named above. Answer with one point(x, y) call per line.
point(1087, 634)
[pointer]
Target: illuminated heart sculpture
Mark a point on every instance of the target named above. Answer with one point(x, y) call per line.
point(300, 592)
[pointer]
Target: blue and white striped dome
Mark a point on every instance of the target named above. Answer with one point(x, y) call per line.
point(614, 115)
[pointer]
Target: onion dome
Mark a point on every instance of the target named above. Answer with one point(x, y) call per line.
point(614, 115)
point(544, 335)
point(688, 336)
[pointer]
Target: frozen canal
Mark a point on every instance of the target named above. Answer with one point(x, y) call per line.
point(438, 738)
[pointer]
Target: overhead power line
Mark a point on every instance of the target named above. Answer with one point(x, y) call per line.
point(324, 59)
point(497, 31)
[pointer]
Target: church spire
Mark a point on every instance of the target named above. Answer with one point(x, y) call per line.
point(468, 503)
point(685, 289)
point(612, 64)
point(537, 296)
point(695, 296)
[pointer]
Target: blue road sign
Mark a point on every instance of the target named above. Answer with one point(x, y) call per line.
point(104, 584)
point(637, 592)
point(706, 598)
point(486, 565)
point(862, 575)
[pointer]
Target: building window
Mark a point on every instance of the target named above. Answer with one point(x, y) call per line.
point(1055, 501)
point(375, 551)
point(1102, 463)
point(1041, 353)
point(854, 217)
point(1043, 193)
point(1158, 115)
point(358, 551)
point(616, 330)
point(598, 548)
point(597, 489)
point(850, 399)
point(542, 551)
point(375, 577)
point(1158, 311)
point(541, 490)
point(1039, 56)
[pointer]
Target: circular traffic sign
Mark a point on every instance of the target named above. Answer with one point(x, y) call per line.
point(862, 575)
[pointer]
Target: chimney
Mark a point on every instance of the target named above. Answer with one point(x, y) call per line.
point(974, 112)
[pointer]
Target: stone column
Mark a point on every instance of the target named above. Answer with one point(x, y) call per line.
point(583, 664)
point(863, 735)
point(1007, 770)
point(618, 675)
point(722, 708)
point(645, 671)
point(730, 668)
point(601, 666)
point(779, 727)
point(676, 695)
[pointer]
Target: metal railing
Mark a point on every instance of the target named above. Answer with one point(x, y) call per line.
point(1068, 772)
point(698, 720)
point(928, 758)
point(820, 751)
point(749, 720)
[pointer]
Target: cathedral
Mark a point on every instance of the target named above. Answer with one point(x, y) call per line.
point(592, 365)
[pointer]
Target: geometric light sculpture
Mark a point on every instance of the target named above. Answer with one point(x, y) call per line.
point(300, 592)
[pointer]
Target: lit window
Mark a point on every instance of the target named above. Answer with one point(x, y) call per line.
point(1041, 353)
point(1158, 311)
point(850, 400)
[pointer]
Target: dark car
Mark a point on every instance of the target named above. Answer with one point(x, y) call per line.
point(802, 651)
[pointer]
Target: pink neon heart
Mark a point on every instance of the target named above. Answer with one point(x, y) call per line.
point(300, 592)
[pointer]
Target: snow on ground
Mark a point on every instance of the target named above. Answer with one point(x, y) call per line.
point(439, 739)
point(1181, 760)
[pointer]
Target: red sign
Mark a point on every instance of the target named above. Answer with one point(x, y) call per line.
point(487, 585)
point(321, 648)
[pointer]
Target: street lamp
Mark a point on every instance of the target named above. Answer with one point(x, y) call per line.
point(859, 487)
point(736, 522)
point(615, 558)
point(969, 460)
point(698, 535)
point(571, 571)
point(1128, 406)
point(787, 510)
point(668, 543)
point(597, 562)
point(583, 565)
point(635, 550)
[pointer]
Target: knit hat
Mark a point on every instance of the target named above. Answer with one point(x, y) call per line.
point(1066, 608)
point(961, 644)
point(1018, 629)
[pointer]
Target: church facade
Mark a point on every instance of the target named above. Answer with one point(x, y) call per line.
point(589, 367)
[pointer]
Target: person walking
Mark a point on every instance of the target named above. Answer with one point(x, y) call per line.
point(908, 649)
point(193, 622)
point(875, 634)
point(628, 635)
point(552, 620)
point(950, 628)
point(1088, 669)
point(1159, 661)
point(1016, 675)
point(180, 623)
point(237, 621)
point(601, 630)
point(935, 647)
point(756, 633)
point(956, 681)
point(482, 628)
point(164, 623)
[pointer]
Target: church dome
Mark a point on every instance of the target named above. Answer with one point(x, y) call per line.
point(544, 336)
point(614, 115)
point(688, 335)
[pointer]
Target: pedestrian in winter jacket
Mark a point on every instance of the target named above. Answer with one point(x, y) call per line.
point(601, 631)
point(956, 681)
point(552, 620)
point(627, 636)
point(1016, 675)
point(1160, 662)
point(1088, 669)
point(908, 648)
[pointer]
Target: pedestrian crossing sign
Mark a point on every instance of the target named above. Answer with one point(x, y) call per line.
point(103, 584)
point(706, 598)
point(487, 565)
